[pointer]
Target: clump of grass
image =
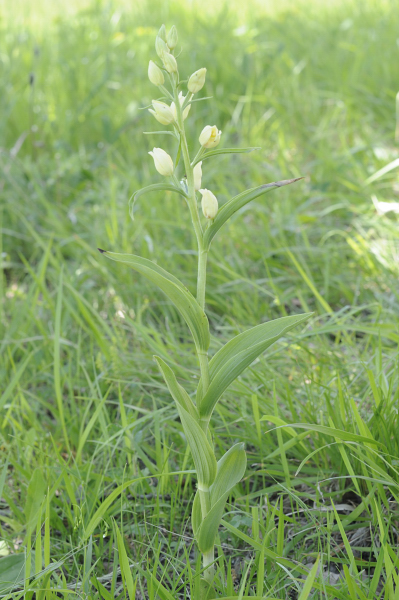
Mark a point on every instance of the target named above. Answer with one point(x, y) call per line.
point(315, 88)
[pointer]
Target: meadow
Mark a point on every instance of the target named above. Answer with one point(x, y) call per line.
point(96, 480)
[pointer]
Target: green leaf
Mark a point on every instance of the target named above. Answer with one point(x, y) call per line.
point(231, 360)
point(231, 206)
point(230, 470)
point(155, 187)
point(184, 301)
point(14, 381)
point(201, 450)
point(101, 512)
point(161, 133)
point(3, 477)
point(224, 151)
point(196, 514)
point(195, 100)
point(207, 590)
point(177, 392)
point(347, 436)
point(161, 591)
point(34, 497)
point(307, 588)
point(277, 560)
point(126, 572)
point(12, 570)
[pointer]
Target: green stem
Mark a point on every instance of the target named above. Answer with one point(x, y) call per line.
point(204, 368)
point(202, 251)
point(207, 557)
point(198, 156)
point(166, 92)
point(209, 571)
point(201, 281)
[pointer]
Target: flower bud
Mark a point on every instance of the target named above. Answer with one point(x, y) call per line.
point(196, 81)
point(162, 33)
point(169, 62)
point(162, 112)
point(171, 39)
point(197, 176)
point(163, 162)
point(209, 204)
point(210, 136)
point(155, 74)
point(185, 111)
point(160, 47)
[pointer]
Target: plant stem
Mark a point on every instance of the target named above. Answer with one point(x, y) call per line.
point(209, 571)
point(207, 557)
point(204, 368)
point(201, 281)
point(198, 156)
point(202, 251)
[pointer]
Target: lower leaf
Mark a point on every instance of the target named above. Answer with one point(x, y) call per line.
point(209, 527)
point(231, 468)
point(177, 392)
point(196, 514)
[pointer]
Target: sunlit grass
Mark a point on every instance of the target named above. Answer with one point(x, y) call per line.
point(314, 85)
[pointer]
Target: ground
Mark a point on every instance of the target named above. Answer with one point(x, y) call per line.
point(91, 444)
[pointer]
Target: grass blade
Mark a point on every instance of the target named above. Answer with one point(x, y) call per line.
point(307, 588)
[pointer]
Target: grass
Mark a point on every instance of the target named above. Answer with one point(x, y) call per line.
point(96, 480)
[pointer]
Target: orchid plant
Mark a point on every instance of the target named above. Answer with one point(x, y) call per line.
point(215, 478)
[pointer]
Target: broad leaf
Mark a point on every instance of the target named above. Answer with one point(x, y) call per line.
point(224, 151)
point(177, 392)
point(235, 356)
point(231, 469)
point(196, 514)
point(12, 570)
point(201, 450)
point(184, 301)
point(207, 591)
point(231, 206)
point(155, 187)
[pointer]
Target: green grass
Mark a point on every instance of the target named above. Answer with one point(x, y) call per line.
point(95, 475)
